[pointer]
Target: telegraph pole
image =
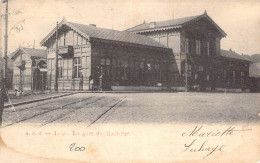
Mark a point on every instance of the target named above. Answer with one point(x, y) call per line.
point(6, 40)
point(3, 68)
point(56, 61)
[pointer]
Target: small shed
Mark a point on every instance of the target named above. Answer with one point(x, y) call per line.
point(29, 69)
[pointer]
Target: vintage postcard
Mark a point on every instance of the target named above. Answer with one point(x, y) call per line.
point(130, 81)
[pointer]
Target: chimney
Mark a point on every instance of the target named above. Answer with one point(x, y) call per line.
point(94, 25)
point(152, 24)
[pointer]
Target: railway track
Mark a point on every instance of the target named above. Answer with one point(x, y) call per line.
point(50, 110)
point(111, 107)
point(36, 106)
point(74, 110)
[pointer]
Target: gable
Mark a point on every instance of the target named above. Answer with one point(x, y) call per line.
point(66, 36)
point(17, 53)
point(174, 23)
point(29, 53)
point(202, 27)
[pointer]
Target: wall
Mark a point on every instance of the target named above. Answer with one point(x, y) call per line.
point(232, 77)
point(81, 49)
point(170, 39)
point(126, 62)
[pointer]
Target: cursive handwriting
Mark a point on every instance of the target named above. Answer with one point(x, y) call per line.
point(227, 132)
point(203, 146)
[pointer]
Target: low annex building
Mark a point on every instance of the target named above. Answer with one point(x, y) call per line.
point(29, 69)
point(93, 58)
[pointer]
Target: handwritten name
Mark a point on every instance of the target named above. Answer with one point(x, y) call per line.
point(196, 146)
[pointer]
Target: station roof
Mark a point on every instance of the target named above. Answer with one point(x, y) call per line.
point(232, 54)
point(173, 23)
point(38, 53)
point(90, 31)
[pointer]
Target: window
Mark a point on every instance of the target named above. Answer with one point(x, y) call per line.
point(198, 47)
point(196, 76)
point(242, 77)
point(124, 70)
point(186, 45)
point(225, 74)
point(207, 77)
point(189, 67)
point(149, 66)
point(207, 46)
point(65, 68)
point(105, 61)
point(201, 68)
point(157, 69)
point(60, 68)
point(234, 76)
point(77, 69)
point(141, 66)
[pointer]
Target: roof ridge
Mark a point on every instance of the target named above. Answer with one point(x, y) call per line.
point(235, 53)
point(136, 25)
point(89, 31)
point(180, 18)
point(168, 20)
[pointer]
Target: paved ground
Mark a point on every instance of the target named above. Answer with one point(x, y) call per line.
point(91, 108)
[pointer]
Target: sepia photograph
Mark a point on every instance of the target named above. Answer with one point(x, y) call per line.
point(129, 81)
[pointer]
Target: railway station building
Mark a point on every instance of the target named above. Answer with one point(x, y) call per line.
point(150, 56)
point(93, 58)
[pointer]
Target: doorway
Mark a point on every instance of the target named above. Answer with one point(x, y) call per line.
point(105, 73)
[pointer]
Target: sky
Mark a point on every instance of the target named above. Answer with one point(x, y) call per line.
point(32, 20)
